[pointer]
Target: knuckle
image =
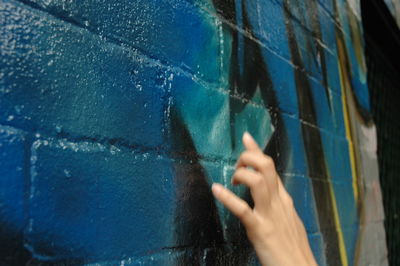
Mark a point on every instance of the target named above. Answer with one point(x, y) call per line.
point(258, 181)
point(246, 155)
point(288, 200)
point(267, 162)
point(238, 174)
point(241, 172)
point(244, 213)
point(243, 157)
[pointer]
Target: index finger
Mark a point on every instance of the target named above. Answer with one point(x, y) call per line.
point(236, 205)
point(249, 143)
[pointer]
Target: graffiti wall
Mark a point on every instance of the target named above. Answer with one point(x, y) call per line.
point(394, 8)
point(117, 116)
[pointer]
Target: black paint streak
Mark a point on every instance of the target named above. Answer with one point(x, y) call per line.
point(198, 224)
point(197, 220)
point(198, 228)
point(314, 151)
point(197, 213)
point(255, 75)
point(318, 57)
point(315, 22)
point(365, 114)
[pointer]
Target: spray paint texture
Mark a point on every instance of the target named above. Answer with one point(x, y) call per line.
point(116, 117)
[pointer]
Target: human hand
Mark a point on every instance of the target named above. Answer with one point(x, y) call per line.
point(273, 225)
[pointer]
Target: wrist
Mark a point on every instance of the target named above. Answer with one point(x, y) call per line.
point(271, 253)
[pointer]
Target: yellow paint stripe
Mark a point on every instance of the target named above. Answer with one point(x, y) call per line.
point(346, 116)
point(350, 139)
point(342, 246)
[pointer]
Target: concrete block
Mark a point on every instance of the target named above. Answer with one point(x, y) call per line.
point(301, 190)
point(63, 80)
point(211, 122)
point(322, 101)
point(281, 74)
point(198, 119)
point(13, 188)
point(271, 27)
point(292, 150)
point(98, 202)
point(198, 222)
point(328, 6)
point(173, 32)
point(346, 205)
point(318, 248)
point(338, 115)
point(339, 160)
point(350, 237)
point(329, 28)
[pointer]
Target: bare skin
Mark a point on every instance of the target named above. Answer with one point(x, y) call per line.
point(273, 225)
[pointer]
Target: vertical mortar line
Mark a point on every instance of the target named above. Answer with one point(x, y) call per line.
point(326, 203)
point(27, 185)
point(350, 111)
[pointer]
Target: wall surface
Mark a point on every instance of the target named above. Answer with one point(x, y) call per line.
point(117, 116)
point(394, 8)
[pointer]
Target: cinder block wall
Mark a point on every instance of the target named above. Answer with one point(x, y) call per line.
point(117, 116)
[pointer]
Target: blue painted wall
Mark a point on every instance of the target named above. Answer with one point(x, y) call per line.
point(117, 116)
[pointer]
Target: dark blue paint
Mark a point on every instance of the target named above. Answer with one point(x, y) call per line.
point(99, 85)
point(297, 158)
point(136, 24)
point(91, 201)
point(13, 155)
point(317, 246)
point(77, 85)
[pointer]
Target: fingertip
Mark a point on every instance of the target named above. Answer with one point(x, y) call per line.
point(249, 142)
point(216, 188)
point(246, 137)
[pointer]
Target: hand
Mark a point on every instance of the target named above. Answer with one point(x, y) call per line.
point(272, 226)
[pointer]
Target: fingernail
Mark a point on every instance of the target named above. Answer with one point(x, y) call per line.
point(247, 135)
point(216, 188)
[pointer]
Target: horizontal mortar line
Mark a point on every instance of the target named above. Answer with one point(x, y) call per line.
point(156, 62)
point(242, 31)
point(329, 179)
point(174, 156)
point(105, 142)
point(128, 259)
point(321, 129)
point(336, 21)
point(212, 86)
point(245, 33)
point(311, 32)
point(197, 158)
point(272, 50)
point(188, 73)
point(168, 250)
point(148, 57)
point(119, 142)
point(309, 74)
point(192, 246)
point(124, 143)
point(124, 45)
point(332, 18)
point(252, 103)
point(111, 39)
